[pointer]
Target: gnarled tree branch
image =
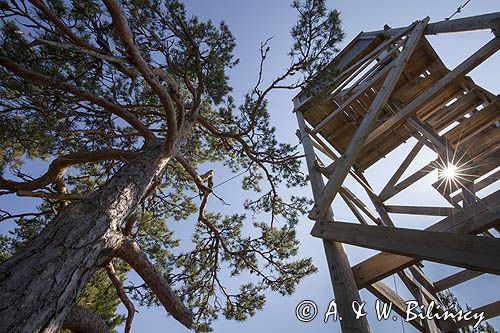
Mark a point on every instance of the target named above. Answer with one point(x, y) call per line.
point(47, 81)
point(61, 163)
point(122, 28)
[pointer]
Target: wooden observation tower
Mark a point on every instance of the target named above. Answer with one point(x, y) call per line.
point(393, 86)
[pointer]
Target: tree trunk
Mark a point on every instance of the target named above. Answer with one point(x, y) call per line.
point(39, 285)
point(83, 320)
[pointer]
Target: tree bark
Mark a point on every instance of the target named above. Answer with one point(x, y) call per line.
point(83, 320)
point(39, 285)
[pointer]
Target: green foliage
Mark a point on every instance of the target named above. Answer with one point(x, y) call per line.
point(100, 296)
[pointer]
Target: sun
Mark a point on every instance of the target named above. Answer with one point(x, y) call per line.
point(450, 171)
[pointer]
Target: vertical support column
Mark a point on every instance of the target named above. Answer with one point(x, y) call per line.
point(344, 285)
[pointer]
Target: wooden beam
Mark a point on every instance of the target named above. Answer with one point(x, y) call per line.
point(421, 210)
point(439, 144)
point(410, 180)
point(457, 278)
point(361, 205)
point(419, 275)
point(473, 219)
point(402, 168)
point(341, 275)
point(346, 161)
point(491, 310)
point(469, 64)
point(353, 209)
point(472, 23)
point(468, 251)
point(483, 183)
point(422, 296)
point(389, 296)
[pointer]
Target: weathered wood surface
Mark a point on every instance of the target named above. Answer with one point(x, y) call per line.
point(473, 220)
point(468, 251)
point(342, 278)
point(469, 64)
point(455, 279)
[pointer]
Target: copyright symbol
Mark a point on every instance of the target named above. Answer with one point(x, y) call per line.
point(306, 311)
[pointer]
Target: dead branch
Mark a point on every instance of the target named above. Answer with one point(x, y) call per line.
point(4, 215)
point(52, 196)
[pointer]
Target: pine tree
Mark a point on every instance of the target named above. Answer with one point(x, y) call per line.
point(129, 102)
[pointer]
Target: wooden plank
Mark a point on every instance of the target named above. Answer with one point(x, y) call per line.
point(362, 88)
point(354, 148)
point(331, 154)
point(475, 124)
point(468, 251)
point(472, 23)
point(341, 275)
point(483, 183)
point(455, 111)
point(422, 296)
point(353, 209)
point(421, 210)
point(440, 145)
point(361, 64)
point(419, 275)
point(361, 205)
point(491, 310)
point(473, 219)
point(457, 278)
point(469, 64)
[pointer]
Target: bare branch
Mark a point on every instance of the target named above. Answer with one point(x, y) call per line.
point(73, 37)
point(4, 215)
point(51, 196)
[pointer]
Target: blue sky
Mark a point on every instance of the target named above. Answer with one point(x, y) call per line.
point(254, 21)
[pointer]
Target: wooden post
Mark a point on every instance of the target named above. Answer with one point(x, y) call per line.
point(341, 275)
point(354, 148)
